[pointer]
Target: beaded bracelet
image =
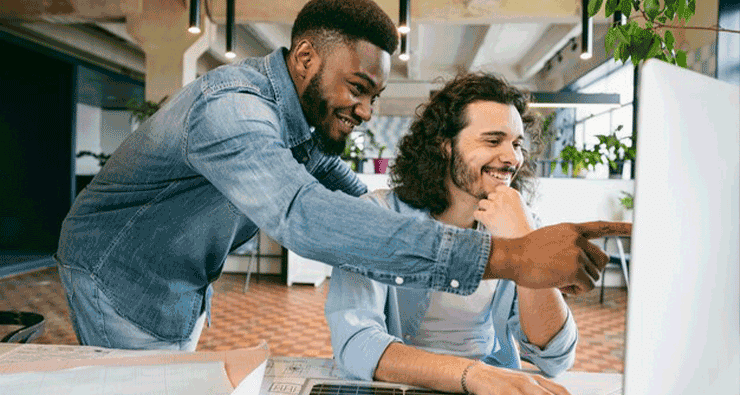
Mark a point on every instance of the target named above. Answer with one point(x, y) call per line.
point(464, 377)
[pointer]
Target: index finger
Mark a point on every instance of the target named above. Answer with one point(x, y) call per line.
point(596, 229)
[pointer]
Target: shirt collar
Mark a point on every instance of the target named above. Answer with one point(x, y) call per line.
point(298, 130)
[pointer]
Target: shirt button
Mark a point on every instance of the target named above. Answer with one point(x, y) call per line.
point(399, 280)
point(454, 283)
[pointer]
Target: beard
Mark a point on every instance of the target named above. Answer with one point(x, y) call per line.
point(463, 175)
point(316, 109)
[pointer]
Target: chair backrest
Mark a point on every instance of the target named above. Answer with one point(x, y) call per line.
point(33, 325)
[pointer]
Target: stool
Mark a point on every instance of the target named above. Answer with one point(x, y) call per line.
point(620, 259)
point(33, 326)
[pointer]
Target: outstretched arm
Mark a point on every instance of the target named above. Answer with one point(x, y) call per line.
point(405, 364)
point(556, 256)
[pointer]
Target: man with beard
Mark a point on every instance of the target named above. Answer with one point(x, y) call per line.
point(463, 164)
point(253, 145)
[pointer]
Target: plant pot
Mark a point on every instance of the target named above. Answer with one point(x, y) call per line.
point(617, 173)
point(381, 165)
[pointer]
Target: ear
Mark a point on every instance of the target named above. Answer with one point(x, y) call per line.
point(306, 60)
point(446, 148)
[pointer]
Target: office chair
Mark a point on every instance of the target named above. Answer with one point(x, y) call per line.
point(251, 248)
point(33, 326)
point(622, 259)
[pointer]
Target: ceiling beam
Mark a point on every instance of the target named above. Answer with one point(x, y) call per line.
point(103, 48)
point(552, 40)
point(422, 11)
point(487, 47)
point(272, 36)
point(70, 11)
point(119, 29)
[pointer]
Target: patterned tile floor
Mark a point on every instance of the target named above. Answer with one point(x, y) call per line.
point(291, 319)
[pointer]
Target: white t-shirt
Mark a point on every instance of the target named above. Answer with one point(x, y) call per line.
point(458, 325)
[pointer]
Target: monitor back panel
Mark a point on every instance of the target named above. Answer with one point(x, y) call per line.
point(683, 316)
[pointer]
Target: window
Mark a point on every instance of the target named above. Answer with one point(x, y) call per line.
point(580, 126)
point(613, 78)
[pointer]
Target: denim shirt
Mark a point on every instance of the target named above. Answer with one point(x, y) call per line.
point(366, 316)
point(230, 153)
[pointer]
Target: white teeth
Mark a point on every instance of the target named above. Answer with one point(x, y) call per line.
point(347, 122)
point(499, 176)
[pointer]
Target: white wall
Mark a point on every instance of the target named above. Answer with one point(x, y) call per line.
point(582, 200)
point(99, 131)
point(579, 200)
point(115, 126)
point(88, 138)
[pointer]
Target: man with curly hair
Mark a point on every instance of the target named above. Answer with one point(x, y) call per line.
point(253, 145)
point(463, 163)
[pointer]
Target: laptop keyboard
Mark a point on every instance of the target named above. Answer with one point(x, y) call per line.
point(367, 389)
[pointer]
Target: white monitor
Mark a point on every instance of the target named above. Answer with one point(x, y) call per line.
point(683, 314)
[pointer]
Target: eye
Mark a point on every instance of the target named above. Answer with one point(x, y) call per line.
point(518, 144)
point(357, 89)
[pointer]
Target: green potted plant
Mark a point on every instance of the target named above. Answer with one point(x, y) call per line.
point(100, 157)
point(609, 150)
point(141, 111)
point(628, 202)
point(579, 159)
point(355, 151)
point(614, 152)
point(380, 163)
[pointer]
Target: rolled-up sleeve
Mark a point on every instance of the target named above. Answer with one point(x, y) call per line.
point(235, 142)
point(355, 314)
point(559, 353)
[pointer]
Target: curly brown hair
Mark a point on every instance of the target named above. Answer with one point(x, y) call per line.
point(418, 172)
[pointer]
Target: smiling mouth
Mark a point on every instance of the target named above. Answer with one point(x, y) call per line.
point(501, 174)
point(347, 123)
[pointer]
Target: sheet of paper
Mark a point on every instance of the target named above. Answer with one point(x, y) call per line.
point(288, 375)
point(206, 378)
point(17, 353)
point(235, 366)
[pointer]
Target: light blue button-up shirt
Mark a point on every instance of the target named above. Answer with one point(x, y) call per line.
point(366, 316)
point(230, 153)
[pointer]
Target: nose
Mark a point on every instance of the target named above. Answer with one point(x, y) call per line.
point(364, 109)
point(510, 155)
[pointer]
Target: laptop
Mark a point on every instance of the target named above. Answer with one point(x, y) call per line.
point(683, 313)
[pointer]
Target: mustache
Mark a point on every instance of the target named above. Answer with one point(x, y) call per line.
point(506, 169)
point(509, 169)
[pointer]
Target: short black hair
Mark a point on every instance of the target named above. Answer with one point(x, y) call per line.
point(419, 170)
point(353, 19)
